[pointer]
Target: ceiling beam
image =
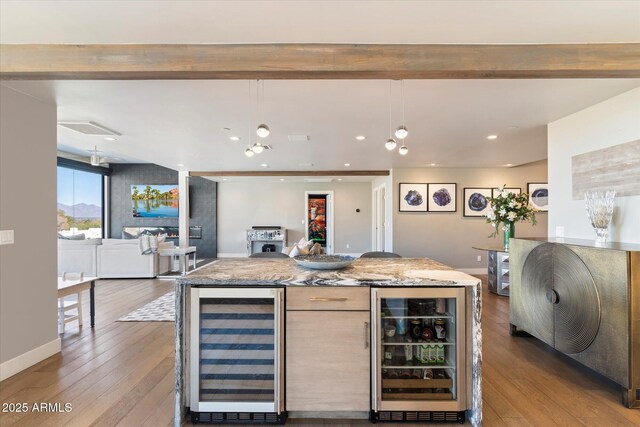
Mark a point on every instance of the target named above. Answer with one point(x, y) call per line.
point(318, 61)
point(292, 173)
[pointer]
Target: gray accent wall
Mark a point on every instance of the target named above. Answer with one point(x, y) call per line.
point(28, 268)
point(449, 237)
point(203, 202)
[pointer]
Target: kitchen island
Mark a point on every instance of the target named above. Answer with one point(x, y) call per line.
point(367, 294)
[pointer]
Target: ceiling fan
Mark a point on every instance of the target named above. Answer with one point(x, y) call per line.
point(96, 159)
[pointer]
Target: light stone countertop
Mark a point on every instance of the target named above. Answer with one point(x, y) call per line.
point(362, 272)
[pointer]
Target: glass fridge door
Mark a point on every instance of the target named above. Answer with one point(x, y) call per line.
point(235, 353)
point(420, 348)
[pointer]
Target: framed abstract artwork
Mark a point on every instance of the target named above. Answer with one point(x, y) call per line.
point(413, 197)
point(442, 197)
point(514, 190)
point(539, 195)
point(476, 201)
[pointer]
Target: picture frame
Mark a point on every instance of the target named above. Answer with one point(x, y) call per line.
point(515, 190)
point(476, 202)
point(412, 197)
point(539, 195)
point(442, 197)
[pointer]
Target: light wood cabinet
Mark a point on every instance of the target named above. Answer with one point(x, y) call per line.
point(328, 298)
point(327, 361)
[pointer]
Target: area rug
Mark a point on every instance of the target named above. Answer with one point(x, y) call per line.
point(162, 309)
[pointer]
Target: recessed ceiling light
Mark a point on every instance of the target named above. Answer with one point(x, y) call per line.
point(180, 165)
point(339, 179)
point(433, 164)
point(264, 165)
point(234, 138)
point(509, 164)
point(281, 179)
point(347, 164)
point(109, 138)
point(226, 128)
point(224, 179)
point(492, 137)
point(360, 137)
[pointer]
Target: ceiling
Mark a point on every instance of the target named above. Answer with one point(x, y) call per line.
point(319, 21)
point(174, 123)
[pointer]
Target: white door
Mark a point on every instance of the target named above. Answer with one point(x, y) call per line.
point(379, 219)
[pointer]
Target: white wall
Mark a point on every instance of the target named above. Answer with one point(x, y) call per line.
point(449, 237)
point(243, 204)
point(611, 122)
point(28, 268)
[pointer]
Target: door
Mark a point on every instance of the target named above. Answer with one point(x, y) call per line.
point(379, 219)
point(419, 354)
point(236, 350)
point(328, 361)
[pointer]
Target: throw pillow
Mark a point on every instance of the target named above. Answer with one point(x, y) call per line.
point(287, 250)
point(145, 245)
point(295, 251)
point(153, 243)
point(316, 249)
point(304, 249)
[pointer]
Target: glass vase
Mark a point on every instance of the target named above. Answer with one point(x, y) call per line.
point(599, 205)
point(509, 229)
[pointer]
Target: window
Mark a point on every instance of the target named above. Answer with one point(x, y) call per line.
point(79, 203)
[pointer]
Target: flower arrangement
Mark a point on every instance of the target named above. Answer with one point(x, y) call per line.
point(508, 208)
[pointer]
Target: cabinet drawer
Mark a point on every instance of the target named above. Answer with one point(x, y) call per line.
point(327, 298)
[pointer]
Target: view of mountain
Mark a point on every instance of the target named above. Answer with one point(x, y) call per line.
point(81, 210)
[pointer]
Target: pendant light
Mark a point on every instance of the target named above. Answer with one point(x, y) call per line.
point(403, 150)
point(391, 143)
point(263, 130)
point(95, 158)
point(249, 152)
point(257, 147)
point(401, 131)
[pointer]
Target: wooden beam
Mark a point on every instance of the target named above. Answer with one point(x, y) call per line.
point(292, 173)
point(318, 61)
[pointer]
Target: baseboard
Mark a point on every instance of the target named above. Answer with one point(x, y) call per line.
point(30, 358)
point(473, 270)
point(232, 255)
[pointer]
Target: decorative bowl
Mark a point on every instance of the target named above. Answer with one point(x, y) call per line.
point(324, 262)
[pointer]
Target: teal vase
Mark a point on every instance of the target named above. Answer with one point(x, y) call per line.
point(509, 232)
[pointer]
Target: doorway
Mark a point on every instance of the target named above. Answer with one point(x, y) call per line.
point(319, 219)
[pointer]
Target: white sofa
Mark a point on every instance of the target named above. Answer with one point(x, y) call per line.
point(78, 256)
point(121, 258)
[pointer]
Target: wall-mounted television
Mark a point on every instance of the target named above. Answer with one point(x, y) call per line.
point(154, 201)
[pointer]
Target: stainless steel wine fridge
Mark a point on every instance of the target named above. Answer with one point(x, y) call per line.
point(418, 354)
point(236, 362)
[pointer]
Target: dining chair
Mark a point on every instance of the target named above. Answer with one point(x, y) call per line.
point(379, 254)
point(70, 303)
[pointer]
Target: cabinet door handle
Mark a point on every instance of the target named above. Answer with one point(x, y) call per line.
point(366, 335)
point(318, 299)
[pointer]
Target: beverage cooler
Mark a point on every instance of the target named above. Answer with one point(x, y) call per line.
point(418, 354)
point(236, 362)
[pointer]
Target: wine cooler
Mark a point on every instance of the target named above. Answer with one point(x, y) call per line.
point(418, 354)
point(236, 362)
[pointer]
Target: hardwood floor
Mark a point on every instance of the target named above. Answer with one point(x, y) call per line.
point(121, 373)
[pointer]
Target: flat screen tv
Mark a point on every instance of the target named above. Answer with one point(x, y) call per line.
point(154, 201)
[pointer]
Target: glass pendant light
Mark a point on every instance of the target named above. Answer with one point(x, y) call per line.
point(401, 131)
point(257, 148)
point(403, 150)
point(249, 152)
point(391, 143)
point(263, 130)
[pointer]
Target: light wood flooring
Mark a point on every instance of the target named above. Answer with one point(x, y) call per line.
point(121, 373)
